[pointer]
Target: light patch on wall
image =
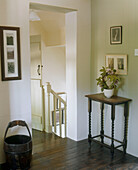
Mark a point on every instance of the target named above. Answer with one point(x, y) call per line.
point(33, 16)
point(136, 52)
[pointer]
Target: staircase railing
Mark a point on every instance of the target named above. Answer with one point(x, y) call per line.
point(61, 101)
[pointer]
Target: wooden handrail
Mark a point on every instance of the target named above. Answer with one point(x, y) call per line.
point(58, 97)
point(35, 79)
point(59, 93)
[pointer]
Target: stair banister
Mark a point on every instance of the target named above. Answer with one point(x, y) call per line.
point(55, 97)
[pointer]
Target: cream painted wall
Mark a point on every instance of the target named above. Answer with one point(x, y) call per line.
point(105, 14)
point(53, 56)
point(50, 38)
point(82, 63)
point(15, 95)
point(37, 29)
point(54, 68)
point(54, 38)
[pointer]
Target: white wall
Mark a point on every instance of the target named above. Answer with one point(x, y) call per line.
point(71, 74)
point(105, 14)
point(81, 76)
point(15, 95)
point(54, 68)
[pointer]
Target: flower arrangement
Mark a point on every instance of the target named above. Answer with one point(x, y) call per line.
point(108, 79)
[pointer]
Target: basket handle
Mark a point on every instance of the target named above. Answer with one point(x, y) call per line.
point(16, 123)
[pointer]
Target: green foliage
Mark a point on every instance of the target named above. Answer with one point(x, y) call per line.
point(108, 79)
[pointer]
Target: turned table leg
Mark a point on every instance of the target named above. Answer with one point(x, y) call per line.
point(102, 123)
point(125, 127)
point(89, 110)
point(112, 118)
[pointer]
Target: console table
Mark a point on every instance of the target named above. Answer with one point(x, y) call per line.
point(115, 100)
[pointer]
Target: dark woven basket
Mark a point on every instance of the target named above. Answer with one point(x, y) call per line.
point(18, 148)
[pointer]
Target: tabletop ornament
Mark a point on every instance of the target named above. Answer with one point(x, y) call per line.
point(108, 81)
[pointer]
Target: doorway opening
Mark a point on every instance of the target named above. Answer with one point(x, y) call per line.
point(36, 83)
point(55, 63)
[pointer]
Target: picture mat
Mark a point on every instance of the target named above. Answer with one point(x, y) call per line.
point(122, 70)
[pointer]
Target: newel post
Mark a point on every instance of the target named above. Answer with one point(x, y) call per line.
point(48, 124)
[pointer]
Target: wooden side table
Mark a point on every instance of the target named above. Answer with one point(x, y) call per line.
point(115, 100)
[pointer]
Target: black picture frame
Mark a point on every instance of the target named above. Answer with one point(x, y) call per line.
point(10, 53)
point(115, 35)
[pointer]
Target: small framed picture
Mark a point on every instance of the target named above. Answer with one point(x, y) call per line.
point(118, 62)
point(10, 53)
point(116, 35)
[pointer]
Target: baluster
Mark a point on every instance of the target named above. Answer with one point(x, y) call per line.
point(65, 119)
point(49, 91)
point(60, 119)
point(43, 104)
point(55, 104)
point(56, 98)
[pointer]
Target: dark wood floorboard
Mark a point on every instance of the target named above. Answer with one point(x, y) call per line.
point(52, 152)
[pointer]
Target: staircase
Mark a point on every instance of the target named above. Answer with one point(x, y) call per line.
point(56, 112)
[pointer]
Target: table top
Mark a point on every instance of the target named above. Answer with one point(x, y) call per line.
point(114, 100)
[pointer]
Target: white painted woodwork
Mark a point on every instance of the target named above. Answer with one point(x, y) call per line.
point(48, 105)
point(37, 94)
point(35, 50)
point(54, 70)
point(71, 74)
point(43, 104)
point(55, 104)
point(65, 120)
point(54, 108)
point(36, 105)
point(60, 119)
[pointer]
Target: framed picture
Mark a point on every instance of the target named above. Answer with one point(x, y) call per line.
point(118, 62)
point(116, 35)
point(10, 53)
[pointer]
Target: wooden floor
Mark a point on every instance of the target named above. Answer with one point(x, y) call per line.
point(52, 152)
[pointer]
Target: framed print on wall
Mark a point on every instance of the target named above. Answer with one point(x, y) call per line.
point(10, 53)
point(118, 62)
point(116, 35)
